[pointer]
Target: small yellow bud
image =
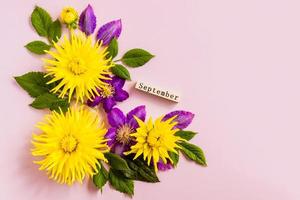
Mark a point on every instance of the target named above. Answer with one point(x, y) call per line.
point(69, 15)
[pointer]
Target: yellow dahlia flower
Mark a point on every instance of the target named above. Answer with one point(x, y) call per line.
point(70, 145)
point(69, 15)
point(155, 140)
point(80, 67)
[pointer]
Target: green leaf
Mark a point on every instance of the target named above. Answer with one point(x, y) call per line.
point(120, 183)
point(112, 48)
point(127, 174)
point(50, 101)
point(41, 21)
point(141, 171)
point(116, 162)
point(174, 157)
point(101, 177)
point(62, 104)
point(121, 71)
point(187, 135)
point(193, 152)
point(38, 47)
point(35, 83)
point(54, 32)
point(136, 57)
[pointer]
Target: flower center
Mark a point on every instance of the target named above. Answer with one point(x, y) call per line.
point(77, 66)
point(107, 91)
point(153, 139)
point(123, 134)
point(69, 144)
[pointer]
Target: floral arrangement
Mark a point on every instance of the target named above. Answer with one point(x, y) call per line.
point(85, 134)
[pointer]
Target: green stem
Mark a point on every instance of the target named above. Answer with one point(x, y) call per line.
point(50, 42)
point(118, 60)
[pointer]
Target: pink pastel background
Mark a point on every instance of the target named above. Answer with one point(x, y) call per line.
point(236, 64)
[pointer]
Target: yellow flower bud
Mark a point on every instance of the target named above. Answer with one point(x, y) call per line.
point(69, 15)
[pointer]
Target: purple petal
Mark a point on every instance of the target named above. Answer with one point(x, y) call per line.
point(120, 148)
point(139, 112)
point(107, 79)
point(87, 20)
point(94, 102)
point(121, 95)
point(116, 117)
point(109, 30)
point(163, 167)
point(117, 82)
point(108, 104)
point(184, 118)
point(111, 134)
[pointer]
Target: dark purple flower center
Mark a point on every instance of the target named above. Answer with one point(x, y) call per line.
point(123, 134)
point(107, 91)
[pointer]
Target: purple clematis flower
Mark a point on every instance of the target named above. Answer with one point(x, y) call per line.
point(184, 118)
point(121, 128)
point(87, 21)
point(110, 95)
point(109, 31)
